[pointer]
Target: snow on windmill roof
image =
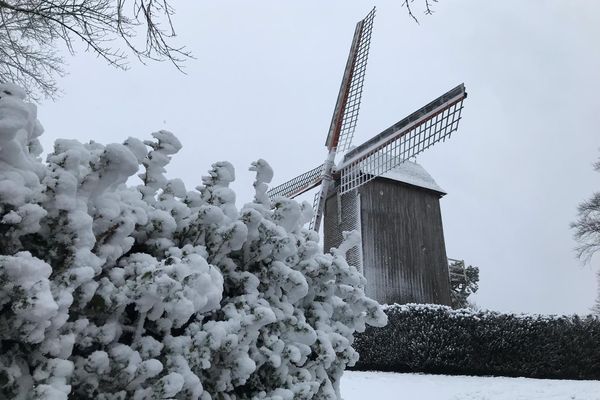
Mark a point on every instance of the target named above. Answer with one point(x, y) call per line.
point(413, 174)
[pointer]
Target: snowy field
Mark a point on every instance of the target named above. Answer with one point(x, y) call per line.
point(391, 386)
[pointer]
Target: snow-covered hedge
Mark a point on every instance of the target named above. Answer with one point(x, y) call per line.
point(437, 339)
point(113, 291)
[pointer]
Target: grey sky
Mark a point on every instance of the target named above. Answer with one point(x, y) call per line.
point(264, 85)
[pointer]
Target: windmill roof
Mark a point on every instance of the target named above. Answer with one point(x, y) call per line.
point(413, 174)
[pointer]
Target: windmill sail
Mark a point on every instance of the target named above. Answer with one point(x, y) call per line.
point(412, 135)
point(299, 184)
point(343, 122)
point(347, 107)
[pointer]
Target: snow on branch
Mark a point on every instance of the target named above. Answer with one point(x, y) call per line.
point(114, 291)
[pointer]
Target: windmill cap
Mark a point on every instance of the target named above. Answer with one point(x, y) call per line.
point(411, 173)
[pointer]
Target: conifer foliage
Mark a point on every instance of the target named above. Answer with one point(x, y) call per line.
point(113, 291)
point(437, 339)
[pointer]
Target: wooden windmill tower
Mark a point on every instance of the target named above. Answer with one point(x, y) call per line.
point(377, 190)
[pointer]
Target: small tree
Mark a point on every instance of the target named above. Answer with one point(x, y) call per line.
point(464, 281)
point(587, 231)
point(30, 31)
point(596, 307)
point(587, 226)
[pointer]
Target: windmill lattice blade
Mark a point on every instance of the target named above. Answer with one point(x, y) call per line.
point(352, 107)
point(422, 129)
point(315, 210)
point(299, 184)
point(345, 116)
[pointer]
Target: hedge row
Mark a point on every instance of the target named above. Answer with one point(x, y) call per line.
point(437, 339)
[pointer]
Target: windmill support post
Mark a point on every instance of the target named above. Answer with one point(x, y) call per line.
point(326, 184)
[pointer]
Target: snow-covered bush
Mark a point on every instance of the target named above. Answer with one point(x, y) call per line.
point(112, 291)
point(437, 339)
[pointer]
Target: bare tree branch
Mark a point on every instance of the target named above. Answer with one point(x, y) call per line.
point(31, 29)
point(428, 8)
point(587, 226)
point(407, 3)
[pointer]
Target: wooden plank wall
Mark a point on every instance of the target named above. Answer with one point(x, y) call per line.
point(404, 254)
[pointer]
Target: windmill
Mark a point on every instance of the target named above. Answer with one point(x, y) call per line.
point(341, 186)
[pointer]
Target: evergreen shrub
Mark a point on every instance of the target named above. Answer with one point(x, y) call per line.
point(115, 288)
point(437, 339)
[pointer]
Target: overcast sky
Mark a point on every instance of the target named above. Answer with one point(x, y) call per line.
point(265, 80)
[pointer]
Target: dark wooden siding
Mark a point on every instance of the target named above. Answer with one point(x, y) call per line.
point(404, 254)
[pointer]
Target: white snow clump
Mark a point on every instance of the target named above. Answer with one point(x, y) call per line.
point(111, 291)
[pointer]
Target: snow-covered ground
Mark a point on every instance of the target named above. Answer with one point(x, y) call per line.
point(391, 386)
